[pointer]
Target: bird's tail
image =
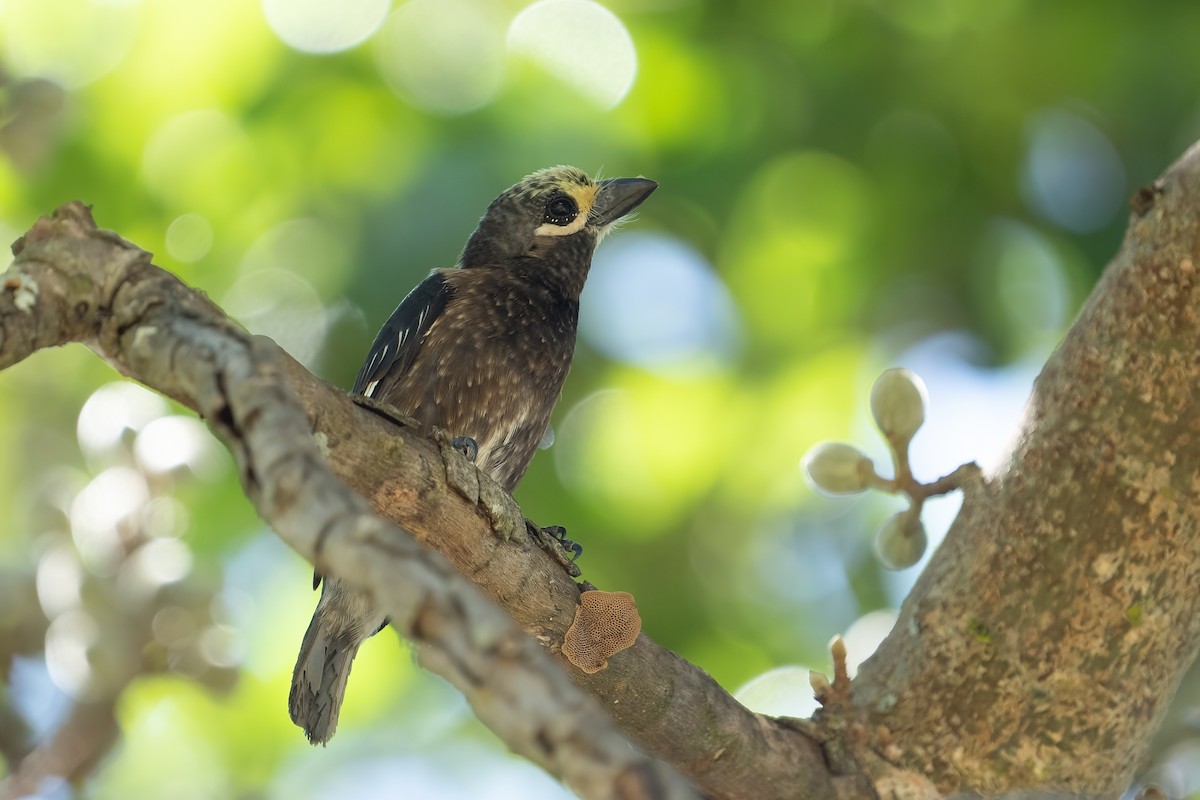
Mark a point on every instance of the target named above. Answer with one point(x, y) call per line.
point(341, 623)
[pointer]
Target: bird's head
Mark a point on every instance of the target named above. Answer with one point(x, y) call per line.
point(552, 221)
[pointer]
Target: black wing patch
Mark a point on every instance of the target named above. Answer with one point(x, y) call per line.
point(398, 341)
point(400, 338)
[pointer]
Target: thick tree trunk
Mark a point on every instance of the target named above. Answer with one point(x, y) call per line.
point(1045, 640)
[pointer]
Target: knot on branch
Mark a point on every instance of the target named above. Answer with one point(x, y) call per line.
point(73, 219)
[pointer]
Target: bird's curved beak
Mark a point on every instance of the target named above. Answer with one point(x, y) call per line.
point(619, 196)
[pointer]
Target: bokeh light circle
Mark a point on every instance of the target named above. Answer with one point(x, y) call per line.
point(1073, 175)
point(580, 42)
point(162, 561)
point(110, 411)
point(319, 26)
point(866, 634)
point(189, 238)
point(283, 306)
point(195, 159)
point(655, 302)
point(799, 224)
point(445, 56)
point(68, 639)
point(111, 500)
point(312, 249)
point(781, 692)
point(72, 42)
point(1020, 273)
point(59, 581)
point(173, 442)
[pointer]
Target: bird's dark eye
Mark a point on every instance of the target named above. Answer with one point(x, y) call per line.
point(561, 210)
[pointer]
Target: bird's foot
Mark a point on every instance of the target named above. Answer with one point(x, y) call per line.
point(559, 534)
point(467, 446)
point(553, 539)
point(462, 473)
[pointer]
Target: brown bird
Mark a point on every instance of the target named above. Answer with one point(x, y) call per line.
point(480, 351)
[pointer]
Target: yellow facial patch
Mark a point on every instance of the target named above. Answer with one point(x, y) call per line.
point(584, 196)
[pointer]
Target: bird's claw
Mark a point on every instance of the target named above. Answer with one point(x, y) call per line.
point(553, 539)
point(559, 534)
point(467, 446)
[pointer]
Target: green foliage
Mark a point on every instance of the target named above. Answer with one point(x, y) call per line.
point(860, 176)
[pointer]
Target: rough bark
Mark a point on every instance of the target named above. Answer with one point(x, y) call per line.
point(1042, 646)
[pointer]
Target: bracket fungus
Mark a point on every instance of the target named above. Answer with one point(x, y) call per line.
point(605, 624)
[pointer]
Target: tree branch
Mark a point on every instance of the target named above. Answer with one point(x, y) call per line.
point(1041, 646)
point(670, 708)
point(71, 282)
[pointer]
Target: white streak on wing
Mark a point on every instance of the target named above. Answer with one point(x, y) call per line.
point(377, 359)
point(403, 336)
point(370, 388)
